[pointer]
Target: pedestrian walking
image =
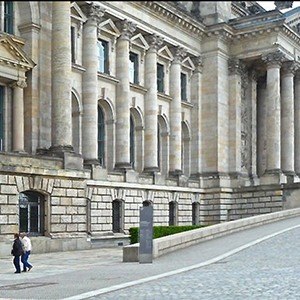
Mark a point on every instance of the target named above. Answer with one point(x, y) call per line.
point(26, 252)
point(16, 251)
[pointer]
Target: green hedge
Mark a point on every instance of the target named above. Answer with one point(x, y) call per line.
point(160, 231)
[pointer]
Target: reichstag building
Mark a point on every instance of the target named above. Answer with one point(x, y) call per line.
point(190, 107)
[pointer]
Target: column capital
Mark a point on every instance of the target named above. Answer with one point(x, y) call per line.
point(289, 68)
point(127, 28)
point(236, 66)
point(93, 12)
point(155, 41)
point(20, 84)
point(273, 59)
point(179, 54)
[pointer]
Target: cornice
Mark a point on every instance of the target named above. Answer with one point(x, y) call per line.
point(222, 31)
point(170, 14)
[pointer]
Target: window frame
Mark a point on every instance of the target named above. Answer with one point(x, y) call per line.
point(183, 86)
point(132, 142)
point(135, 62)
point(160, 77)
point(8, 17)
point(40, 204)
point(101, 136)
point(105, 59)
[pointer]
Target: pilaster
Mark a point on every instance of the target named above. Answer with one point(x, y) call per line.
point(196, 98)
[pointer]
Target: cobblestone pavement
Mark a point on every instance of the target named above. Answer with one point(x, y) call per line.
point(267, 270)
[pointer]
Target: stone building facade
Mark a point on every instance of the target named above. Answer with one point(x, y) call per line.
point(191, 107)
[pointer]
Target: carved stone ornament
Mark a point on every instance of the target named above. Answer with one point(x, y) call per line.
point(198, 64)
point(93, 12)
point(127, 28)
point(20, 84)
point(179, 54)
point(235, 66)
point(273, 58)
point(289, 67)
point(283, 4)
point(155, 41)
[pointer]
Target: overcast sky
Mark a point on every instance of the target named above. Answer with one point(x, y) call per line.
point(269, 5)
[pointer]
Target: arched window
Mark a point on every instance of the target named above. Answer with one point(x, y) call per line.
point(172, 213)
point(132, 144)
point(31, 212)
point(101, 136)
point(117, 220)
point(195, 213)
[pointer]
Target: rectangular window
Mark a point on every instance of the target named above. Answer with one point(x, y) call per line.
point(183, 87)
point(1, 118)
point(8, 17)
point(133, 68)
point(103, 57)
point(73, 44)
point(160, 78)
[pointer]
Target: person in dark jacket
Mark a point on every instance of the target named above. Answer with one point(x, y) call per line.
point(17, 250)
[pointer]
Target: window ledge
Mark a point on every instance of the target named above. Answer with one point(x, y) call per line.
point(79, 68)
point(108, 78)
point(164, 97)
point(138, 88)
point(187, 104)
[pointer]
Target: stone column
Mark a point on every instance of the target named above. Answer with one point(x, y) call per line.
point(61, 78)
point(18, 116)
point(297, 123)
point(123, 96)
point(252, 94)
point(236, 69)
point(90, 84)
point(273, 62)
point(261, 126)
point(287, 118)
point(175, 114)
point(196, 155)
point(151, 105)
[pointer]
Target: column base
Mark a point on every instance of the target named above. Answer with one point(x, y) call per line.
point(91, 162)
point(274, 176)
point(60, 150)
point(175, 173)
point(122, 167)
point(151, 170)
point(215, 180)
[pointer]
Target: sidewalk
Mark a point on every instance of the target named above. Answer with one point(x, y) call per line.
point(65, 274)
